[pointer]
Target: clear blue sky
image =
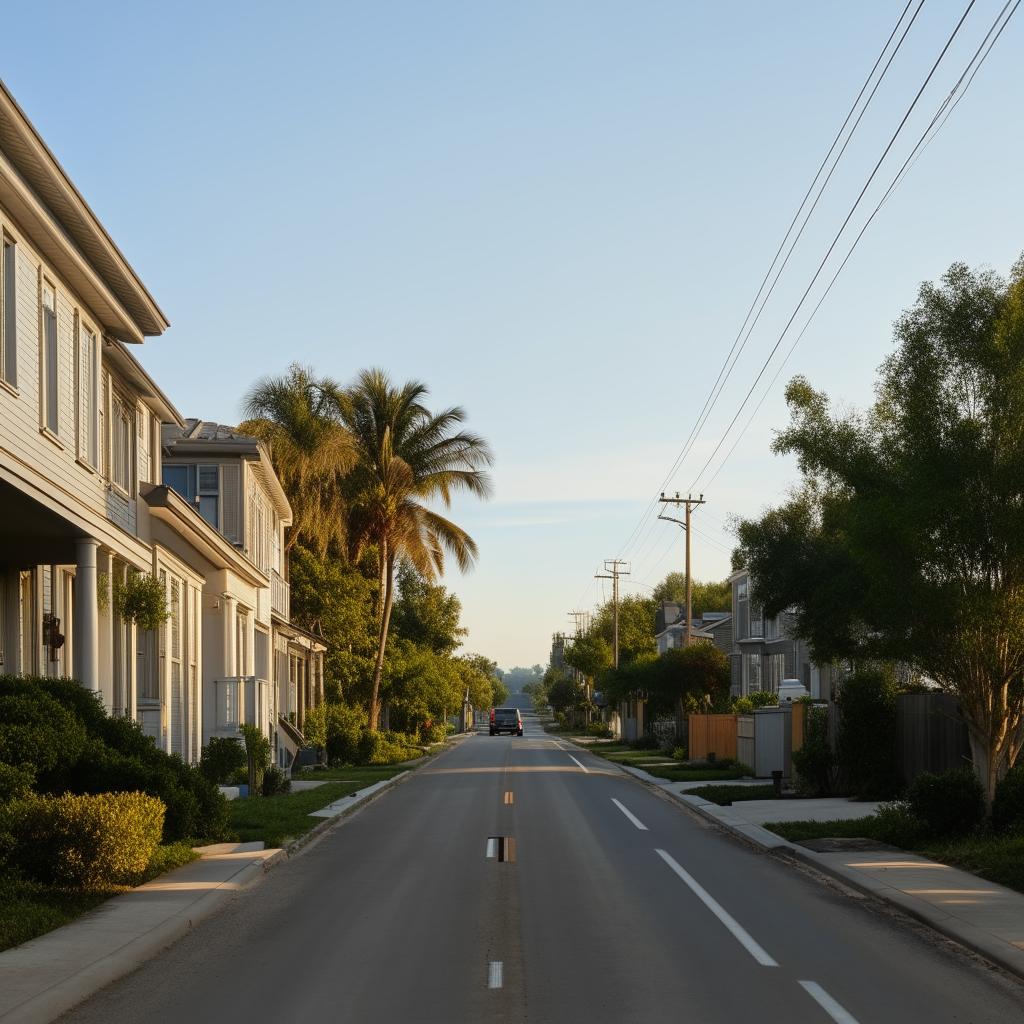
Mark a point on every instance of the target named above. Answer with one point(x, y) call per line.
point(554, 213)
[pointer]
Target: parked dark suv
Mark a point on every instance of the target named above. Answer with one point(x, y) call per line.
point(506, 720)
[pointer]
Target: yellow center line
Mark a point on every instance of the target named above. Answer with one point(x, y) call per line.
point(509, 797)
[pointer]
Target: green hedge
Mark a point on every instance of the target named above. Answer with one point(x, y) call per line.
point(58, 730)
point(83, 842)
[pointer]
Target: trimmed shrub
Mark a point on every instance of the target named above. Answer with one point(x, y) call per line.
point(433, 733)
point(195, 808)
point(950, 804)
point(599, 729)
point(645, 743)
point(221, 758)
point(742, 706)
point(385, 748)
point(16, 781)
point(336, 729)
point(815, 763)
point(257, 752)
point(866, 740)
point(275, 782)
point(1008, 805)
point(763, 698)
point(84, 842)
point(36, 730)
point(897, 825)
point(85, 705)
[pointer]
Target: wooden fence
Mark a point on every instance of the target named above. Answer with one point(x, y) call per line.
point(712, 734)
point(931, 734)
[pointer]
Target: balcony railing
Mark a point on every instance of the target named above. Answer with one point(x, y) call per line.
point(242, 700)
point(280, 595)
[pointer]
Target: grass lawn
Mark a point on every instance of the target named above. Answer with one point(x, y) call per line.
point(278, 819)
point(725, 795)
point(28, 909)
point(682, 774)
point(996, 858)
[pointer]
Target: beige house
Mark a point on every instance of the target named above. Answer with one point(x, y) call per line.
point(83, 500)
point(224, 512)
point(79, 425)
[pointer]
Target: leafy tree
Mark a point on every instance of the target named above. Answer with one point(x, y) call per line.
point(487, 689)
point(636, 627)
point(590, 653)
point(406, 456)
point(420, 685)
point(904, 541)
point(426, 613)
point(564, 694)
point(295, 414)
point(335, 600)
point(707, 596)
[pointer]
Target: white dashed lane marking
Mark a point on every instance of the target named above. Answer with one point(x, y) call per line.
point(741, 935)
point(629, 814)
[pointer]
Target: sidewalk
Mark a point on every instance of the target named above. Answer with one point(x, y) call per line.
point(983, 916)
point(46, 977)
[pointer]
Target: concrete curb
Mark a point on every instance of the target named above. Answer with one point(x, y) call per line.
point(971, 938)
point(967, 935)
point(139, 949)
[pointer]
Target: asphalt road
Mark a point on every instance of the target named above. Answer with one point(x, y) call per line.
point(620, 906)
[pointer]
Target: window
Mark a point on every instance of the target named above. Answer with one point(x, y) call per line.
point(751, 673)
point(85, 395)
point(776, 671)
point(756, 621)
point(122, 432)
point(199, 485)
point(9, 314)
point(51, 360)
point(207, 494)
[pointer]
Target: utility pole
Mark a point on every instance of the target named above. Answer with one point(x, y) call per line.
point(613, 572)
point(689, 501)
point(582, 621)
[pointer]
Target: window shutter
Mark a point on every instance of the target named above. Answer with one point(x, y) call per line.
point(84, 394)
point(231, 499)
point(142, 441)
point(104, 439)
point(52, 381)
point(10, 323)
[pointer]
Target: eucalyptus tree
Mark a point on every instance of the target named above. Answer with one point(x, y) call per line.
point(905, 540)
point(406, 457)
point(295, 414)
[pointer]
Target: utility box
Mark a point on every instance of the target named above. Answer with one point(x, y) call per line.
point(773, 742)
point(745, 743)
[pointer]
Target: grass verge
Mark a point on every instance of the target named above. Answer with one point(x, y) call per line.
point(28, 909)
point(725, 795)
point(278, 819)
point(995, 858)
point(682, 774)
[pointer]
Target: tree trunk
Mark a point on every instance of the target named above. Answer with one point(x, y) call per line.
point(986, 765)
point(385, 622)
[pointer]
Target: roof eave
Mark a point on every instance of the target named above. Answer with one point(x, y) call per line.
point(149, 319)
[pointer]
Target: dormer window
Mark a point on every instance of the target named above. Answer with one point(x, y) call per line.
point(199, 485)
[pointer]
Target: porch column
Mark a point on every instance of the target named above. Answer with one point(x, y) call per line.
point(87, 615)
point(228, 609)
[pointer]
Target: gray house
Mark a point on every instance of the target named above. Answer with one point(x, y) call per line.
point(670, 628)
point(764, 650)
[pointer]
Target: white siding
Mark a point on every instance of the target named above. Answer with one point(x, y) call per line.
point(32, 452)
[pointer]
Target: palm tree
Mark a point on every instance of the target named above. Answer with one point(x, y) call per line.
point(296, 415)
point(406, 456)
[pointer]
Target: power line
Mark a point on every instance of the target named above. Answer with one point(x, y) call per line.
point(713, 395)
point(835, 241)
point(915, 153)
